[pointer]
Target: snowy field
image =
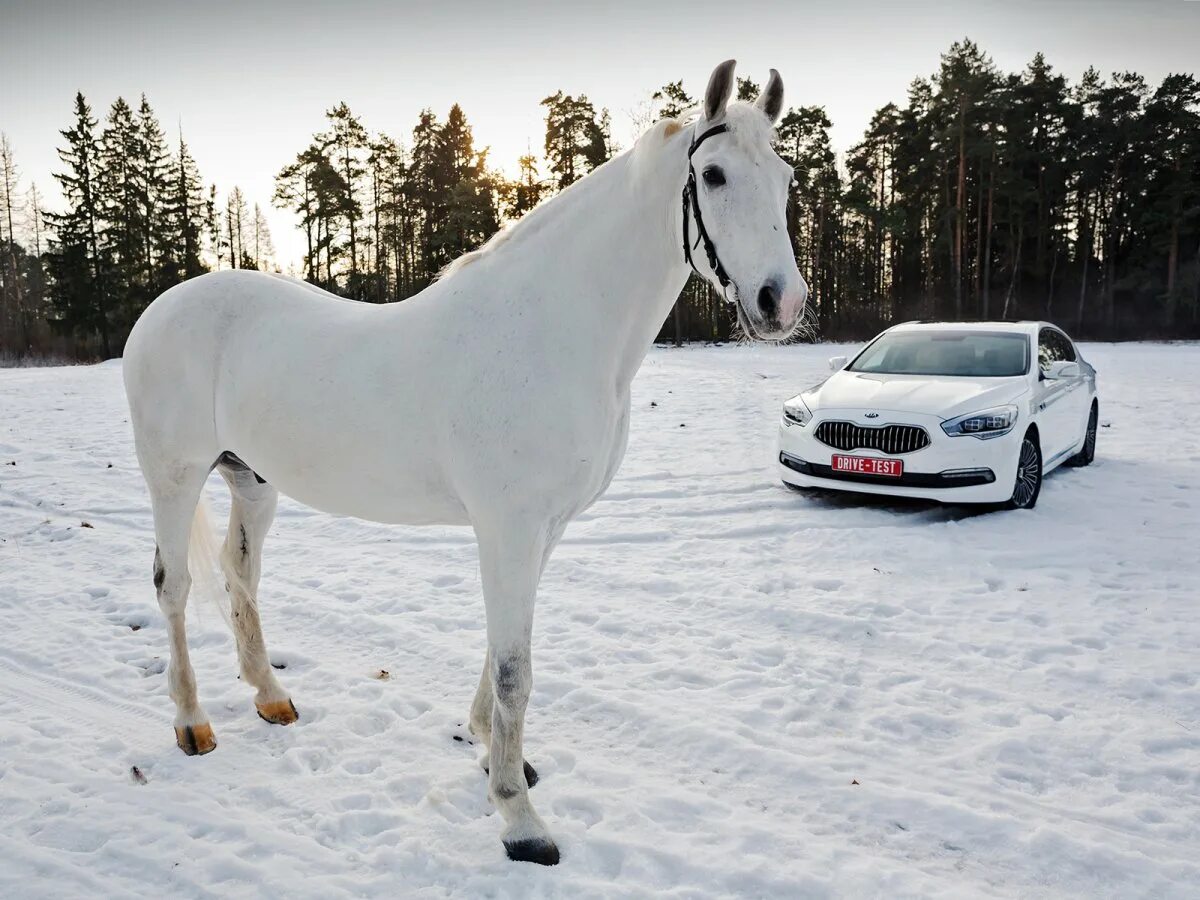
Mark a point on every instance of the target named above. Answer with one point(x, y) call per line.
point(738, 691)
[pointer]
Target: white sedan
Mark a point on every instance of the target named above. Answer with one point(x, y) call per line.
point(961, 413)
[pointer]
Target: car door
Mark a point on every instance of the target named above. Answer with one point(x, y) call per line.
point(1078, 396)
point(1056, 412)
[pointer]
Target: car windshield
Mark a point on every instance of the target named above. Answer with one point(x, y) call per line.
point(987, 354)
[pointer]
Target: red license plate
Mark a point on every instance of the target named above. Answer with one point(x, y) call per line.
point(868, 465)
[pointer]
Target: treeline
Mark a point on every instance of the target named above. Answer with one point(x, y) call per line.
point(985, 195)
point(381, 216)
point(1015, 195)
point(137, 219)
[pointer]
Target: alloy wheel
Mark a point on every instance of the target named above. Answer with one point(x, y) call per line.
point(1029, 476)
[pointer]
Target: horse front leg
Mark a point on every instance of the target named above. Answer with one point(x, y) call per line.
point(481, 721)
point(511, 558)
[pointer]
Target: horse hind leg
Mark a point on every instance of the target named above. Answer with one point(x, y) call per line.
point(252, 511)
point(173, 498)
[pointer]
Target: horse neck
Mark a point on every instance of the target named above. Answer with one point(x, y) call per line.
point(614, 256)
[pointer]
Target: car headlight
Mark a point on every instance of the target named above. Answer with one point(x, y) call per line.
point(795, 412)
point(985, 424)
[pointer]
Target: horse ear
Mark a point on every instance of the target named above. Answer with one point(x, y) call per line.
point(770, 101)
point(720, 89)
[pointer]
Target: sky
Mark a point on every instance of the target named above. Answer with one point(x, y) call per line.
point(249, 82)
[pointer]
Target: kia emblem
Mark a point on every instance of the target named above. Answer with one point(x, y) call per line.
point(872, 415)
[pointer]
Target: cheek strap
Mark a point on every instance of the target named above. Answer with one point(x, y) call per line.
point(691, 210)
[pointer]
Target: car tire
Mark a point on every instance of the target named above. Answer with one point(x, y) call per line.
point(1088, 451)
point(1028, 483)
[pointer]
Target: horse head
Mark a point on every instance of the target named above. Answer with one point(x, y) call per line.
point(735, 208)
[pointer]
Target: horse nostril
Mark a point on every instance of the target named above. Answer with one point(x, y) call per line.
point(768, 300)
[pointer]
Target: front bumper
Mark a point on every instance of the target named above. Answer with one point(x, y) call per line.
point(960, 469)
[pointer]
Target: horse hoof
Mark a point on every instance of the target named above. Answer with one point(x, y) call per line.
point(281, 712)
point(534, 850)
point(195, 740)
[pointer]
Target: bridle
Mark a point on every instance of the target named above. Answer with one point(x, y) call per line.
point(691, 199)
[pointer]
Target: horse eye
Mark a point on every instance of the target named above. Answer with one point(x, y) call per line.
point(714, 177)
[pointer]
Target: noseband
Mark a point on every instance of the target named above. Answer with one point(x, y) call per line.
point(691, 199)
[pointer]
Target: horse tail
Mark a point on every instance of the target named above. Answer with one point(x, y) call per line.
point(204, 561)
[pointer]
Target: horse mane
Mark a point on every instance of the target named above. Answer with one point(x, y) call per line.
point(533, 221)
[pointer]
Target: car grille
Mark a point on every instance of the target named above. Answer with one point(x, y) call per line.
point(886, 438)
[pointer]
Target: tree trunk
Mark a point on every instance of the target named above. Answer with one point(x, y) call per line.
point(958, 208)
point(1050, 290)
point(1016, 272)
point(986, 301)
point(1085, 239)
point(978, 271)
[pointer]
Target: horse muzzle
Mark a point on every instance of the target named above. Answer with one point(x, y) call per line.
point(775, 310)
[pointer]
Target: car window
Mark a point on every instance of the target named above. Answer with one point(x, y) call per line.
point(1068, 350)
point(1053, 347)
point(986, 354)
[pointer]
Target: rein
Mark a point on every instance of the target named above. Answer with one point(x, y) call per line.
point(691, 199)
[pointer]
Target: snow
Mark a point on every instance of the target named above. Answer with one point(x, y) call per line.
point(738, 690)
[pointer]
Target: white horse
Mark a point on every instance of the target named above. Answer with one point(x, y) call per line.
point(497, 398)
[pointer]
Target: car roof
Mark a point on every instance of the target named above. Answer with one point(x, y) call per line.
point(1022, 327)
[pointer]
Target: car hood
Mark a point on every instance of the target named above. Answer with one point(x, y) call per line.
point(946, 396)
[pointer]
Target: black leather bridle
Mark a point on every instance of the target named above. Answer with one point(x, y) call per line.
point(691, 199)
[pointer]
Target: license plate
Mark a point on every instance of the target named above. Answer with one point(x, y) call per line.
point(868, 465)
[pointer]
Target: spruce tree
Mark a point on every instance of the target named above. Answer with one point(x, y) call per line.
point(153, 167)
point(122, 221)
point(78, 266)
point(183, 212)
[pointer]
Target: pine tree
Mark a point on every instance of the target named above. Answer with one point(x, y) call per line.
point(78, 266)
point(263, 248)
point(153, 171)
point(122, 220)
point(183, 213)
point(673, 100)
point(15, 322)
point(523, 194)
point(237, 230)
point(468, 214)
point(344, 144)
point(36, 275)
point(577, 140)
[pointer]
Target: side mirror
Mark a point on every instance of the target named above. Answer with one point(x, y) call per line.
point(837, 363)
point(1062, 369)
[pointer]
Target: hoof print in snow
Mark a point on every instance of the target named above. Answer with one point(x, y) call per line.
point(853, 781)
point(383, 674)
point(534, 850)
point(136, 774)
point(86, 525)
